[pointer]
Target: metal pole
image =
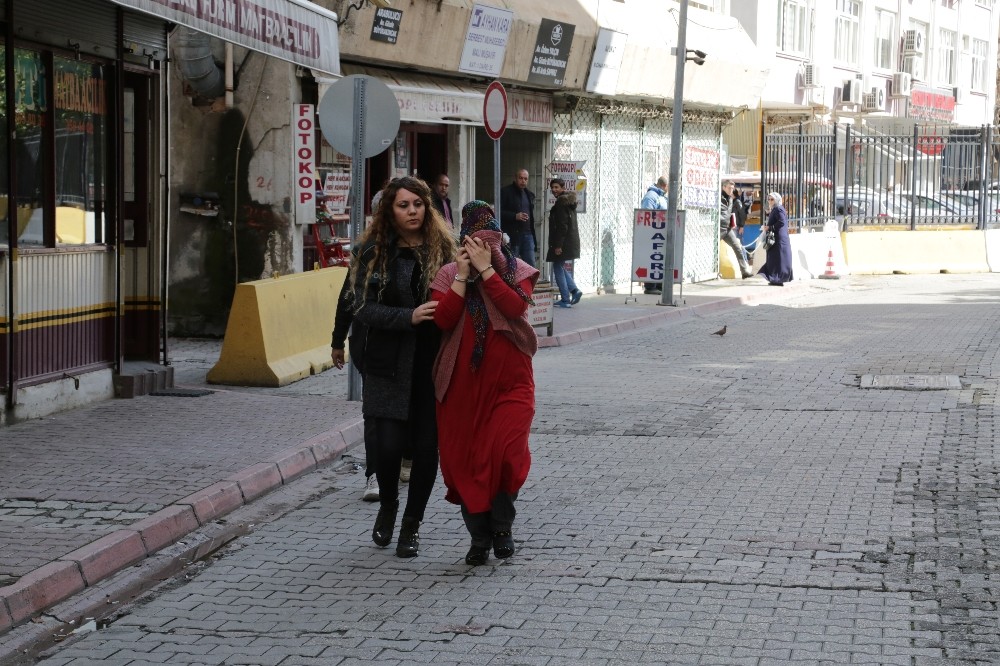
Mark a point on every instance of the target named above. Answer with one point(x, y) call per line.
point(496, 177)
point(913, 178)
point(357, 203)
point(673, 176)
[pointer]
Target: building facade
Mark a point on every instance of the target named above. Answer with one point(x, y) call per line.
point(888, 65)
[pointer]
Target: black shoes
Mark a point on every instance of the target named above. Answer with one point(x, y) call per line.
point(477, 556)
point(575, 298)
point(409, 538)
point(385, 522)
point(503, 544)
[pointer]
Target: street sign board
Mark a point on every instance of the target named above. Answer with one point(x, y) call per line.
point(495, 110)
point(649, 245)
point(337, 115)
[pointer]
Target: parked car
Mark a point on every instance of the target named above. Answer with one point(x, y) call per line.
point(866, 204)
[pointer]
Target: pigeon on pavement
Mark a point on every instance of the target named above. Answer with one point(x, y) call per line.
point(720, 332)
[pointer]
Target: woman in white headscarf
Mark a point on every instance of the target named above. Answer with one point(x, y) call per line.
point(778, 267)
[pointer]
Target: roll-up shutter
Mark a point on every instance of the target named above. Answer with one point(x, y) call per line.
point(91, 24)
point(146, 35)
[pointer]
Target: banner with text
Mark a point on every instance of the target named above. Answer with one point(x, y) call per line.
point(302, 33)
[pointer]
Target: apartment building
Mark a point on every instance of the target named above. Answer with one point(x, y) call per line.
point(882, 63)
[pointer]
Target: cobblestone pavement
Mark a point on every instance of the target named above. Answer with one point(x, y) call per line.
point(693, 500)
point(69, 479)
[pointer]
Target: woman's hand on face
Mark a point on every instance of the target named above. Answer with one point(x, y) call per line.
point(464, 263)
point(423, 312)
point(480, 255)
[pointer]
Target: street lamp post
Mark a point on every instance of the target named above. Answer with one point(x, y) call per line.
point(683, 54)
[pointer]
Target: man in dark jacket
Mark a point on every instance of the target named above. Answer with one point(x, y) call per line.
point(439, 197)
point(564, 242)
point(517, 217)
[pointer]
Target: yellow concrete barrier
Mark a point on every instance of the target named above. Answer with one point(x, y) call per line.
point(279, 329)
point(920, 251)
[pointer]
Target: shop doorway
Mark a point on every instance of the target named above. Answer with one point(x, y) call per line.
point(140, 276)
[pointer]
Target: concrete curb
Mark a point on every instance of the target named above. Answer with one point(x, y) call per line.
point(72, 573)
point(670, 314)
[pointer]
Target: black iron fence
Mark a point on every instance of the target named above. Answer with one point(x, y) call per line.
point(930, 176)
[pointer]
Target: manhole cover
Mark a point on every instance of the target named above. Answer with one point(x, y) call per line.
point(911, 382)
point(181, 393)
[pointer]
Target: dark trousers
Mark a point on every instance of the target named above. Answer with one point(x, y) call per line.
point(371, 449)
point(499, 518)
point(418, 436)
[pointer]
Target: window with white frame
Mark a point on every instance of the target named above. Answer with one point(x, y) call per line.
point(846, 28)
point(985, 3)
point(977, 64)
point(885, 30)
point(946, 56)
point(793, 27)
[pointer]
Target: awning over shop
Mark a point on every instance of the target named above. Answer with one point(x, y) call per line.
point(294, 30)
point(735, 70)
point(436, 99)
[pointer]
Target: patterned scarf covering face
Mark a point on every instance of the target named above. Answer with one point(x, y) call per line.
point(479, 221)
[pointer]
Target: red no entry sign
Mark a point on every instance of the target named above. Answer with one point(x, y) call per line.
point(495, 110)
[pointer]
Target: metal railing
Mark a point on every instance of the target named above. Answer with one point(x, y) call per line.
point(930, 176)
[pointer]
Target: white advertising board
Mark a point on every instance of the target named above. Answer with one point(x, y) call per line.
point(649, 245)
point(486, 40)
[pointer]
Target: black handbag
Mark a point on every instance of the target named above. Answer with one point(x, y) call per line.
point(768, 240)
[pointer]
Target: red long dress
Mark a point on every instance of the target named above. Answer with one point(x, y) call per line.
point(485, 418)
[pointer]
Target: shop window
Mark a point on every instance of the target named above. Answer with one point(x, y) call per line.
point(31, 145)
point(80, 135)
point(59, 151)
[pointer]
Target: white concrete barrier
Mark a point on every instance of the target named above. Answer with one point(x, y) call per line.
point(993, 249)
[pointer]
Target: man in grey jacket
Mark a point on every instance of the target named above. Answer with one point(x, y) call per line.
point(727, 226)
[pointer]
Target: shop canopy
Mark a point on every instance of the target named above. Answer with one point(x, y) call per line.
point(298, 31)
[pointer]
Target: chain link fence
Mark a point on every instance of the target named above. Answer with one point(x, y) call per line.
point(625, 154)
point(701, 175)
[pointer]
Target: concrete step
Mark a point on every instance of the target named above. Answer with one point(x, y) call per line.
point(143, 378)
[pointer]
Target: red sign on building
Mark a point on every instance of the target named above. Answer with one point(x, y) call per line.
point(932, 107)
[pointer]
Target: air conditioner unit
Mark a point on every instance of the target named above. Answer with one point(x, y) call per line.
point(902, 84)
point(913, 42)
point(853, 93)
point(914, 66)
point(874, 100)
point(958, 94)
point(810, 75)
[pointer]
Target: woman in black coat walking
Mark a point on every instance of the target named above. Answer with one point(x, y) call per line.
point(399, 254)
point(564, 242)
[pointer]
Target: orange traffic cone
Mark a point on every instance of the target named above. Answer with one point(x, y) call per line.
point(829, 273)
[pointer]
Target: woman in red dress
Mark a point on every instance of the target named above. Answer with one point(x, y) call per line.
point(483, 380)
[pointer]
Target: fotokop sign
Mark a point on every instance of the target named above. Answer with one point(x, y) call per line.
point(649, 245)
point(304, 141)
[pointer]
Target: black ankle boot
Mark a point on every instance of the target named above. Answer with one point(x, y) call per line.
point(409, 538)
point(503, 544)
point(477, 555)
point(385, 523)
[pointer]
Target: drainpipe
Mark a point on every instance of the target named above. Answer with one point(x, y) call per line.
point(193, 55)
point(229, 75)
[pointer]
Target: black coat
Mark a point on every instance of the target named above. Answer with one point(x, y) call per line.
point(563, 230)
point(510, 201)
point(384, 326)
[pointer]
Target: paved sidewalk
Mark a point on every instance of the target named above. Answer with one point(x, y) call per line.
point(89, 492)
